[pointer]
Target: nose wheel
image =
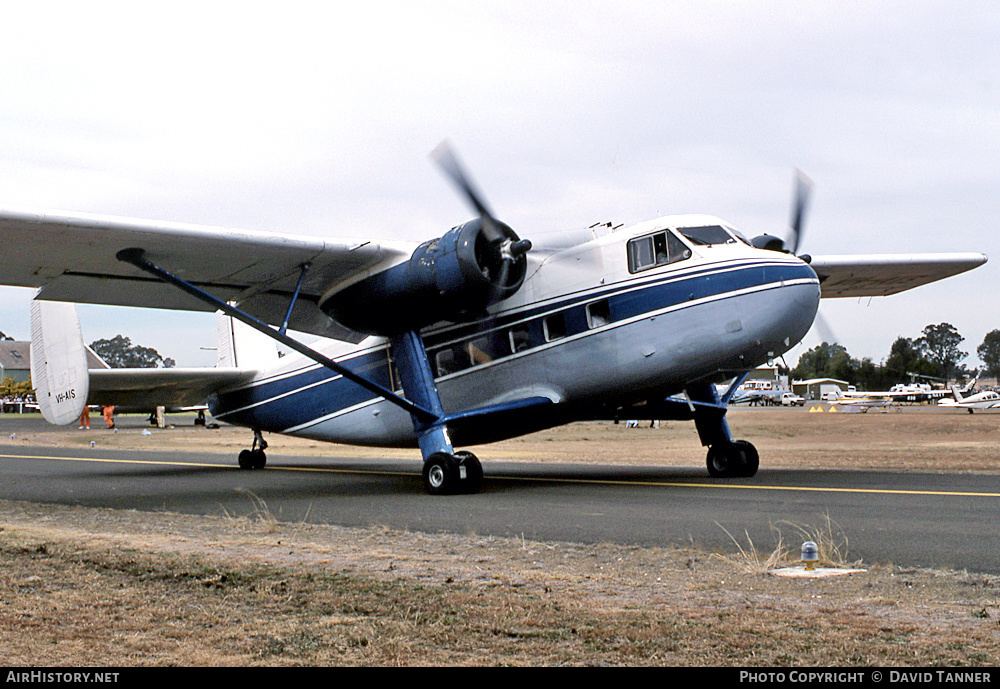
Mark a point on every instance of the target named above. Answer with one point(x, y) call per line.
point(452, 474)
point(738, 459)
point(254, 458)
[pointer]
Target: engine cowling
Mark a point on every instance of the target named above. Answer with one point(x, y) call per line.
point(453, 278)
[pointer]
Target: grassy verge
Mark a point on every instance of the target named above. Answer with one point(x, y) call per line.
point(93, 587)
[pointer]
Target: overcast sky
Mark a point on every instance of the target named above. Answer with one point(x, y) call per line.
point(318, 118)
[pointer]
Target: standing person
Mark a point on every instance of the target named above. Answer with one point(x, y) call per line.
point(85, 418)
point(109, 416)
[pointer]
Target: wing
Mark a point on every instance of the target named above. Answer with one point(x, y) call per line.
point(71, 257)
point(148, 388)
point(878, 275)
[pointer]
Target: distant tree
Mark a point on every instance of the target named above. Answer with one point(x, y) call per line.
point(119, 352)
point(906, 358)
point(12, 388)
point(826, 361)
point(940, 343)
point(989, 352)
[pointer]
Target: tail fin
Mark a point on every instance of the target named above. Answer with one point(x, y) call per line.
point(240, 346)
point(58, 361)
point(971, 384)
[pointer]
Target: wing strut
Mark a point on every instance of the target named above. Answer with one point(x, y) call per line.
point(136, 257)
point(291, 306)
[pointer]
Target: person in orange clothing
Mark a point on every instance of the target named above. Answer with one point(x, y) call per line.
point(109, 415)
point(85, 418)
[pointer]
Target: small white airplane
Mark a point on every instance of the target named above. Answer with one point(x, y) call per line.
point(862, 402)
point(472, 337)
point(986, 399)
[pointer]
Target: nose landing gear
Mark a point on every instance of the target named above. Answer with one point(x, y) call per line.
point(254, 458)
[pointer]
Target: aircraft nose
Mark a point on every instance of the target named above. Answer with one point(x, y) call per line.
point(785, 313)
point(797, 306)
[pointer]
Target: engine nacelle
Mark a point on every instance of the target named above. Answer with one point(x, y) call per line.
point(453, 278)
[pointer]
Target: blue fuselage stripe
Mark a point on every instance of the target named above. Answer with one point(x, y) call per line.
point(295, 398)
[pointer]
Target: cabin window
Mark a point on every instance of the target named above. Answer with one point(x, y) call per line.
point(452, 359)
point(520, 338)
point(707, 235)
point(598, 314)
point(494, 345)
point(655, 250)
point(554, 326)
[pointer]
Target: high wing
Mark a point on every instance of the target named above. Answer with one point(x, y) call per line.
point(878, 275)
point(71, 257)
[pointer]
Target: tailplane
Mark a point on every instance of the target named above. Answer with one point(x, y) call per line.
point(58, 361)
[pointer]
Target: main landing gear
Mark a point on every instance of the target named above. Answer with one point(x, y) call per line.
point(452, 474)
point(446, 472)
point(254, 458)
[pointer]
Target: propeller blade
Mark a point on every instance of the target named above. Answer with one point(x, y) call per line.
point(446, 159)
point(824, 330)
point(803, 189)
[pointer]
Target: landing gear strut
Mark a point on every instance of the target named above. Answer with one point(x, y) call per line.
point(254, 458)
point(446, 472)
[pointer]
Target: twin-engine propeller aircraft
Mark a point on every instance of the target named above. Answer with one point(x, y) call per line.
point(476, 336)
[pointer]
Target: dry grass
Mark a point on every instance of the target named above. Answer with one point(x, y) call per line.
point(97, 587)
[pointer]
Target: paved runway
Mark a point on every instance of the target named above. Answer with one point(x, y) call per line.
point(920, 520)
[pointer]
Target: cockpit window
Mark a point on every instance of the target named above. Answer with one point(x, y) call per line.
point(655, 250)
point(709, 234)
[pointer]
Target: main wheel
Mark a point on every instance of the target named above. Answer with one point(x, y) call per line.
point(746, 459)
point(470, 472)
point(441, 475)
point(717, 461)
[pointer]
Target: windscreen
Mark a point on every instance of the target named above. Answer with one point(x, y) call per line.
point(709, 234)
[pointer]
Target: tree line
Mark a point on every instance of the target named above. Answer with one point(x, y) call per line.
point(119, 352)
point(936, 354)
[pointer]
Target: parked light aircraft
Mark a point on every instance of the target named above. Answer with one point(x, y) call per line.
point(986, 399)
point(904, 392)
point(862, 402)
point(472, 337)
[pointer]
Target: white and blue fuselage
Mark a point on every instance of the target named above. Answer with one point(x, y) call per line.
point(633, 316)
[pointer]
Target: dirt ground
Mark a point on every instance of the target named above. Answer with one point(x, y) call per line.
point(104, 587)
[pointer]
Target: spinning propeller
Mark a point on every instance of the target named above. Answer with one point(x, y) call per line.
point(503, 243)
point(803, 189)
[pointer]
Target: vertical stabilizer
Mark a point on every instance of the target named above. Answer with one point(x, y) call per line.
point(240, 346)
point(58, 361)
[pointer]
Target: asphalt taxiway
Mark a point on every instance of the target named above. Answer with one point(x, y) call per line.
point(909, 519)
